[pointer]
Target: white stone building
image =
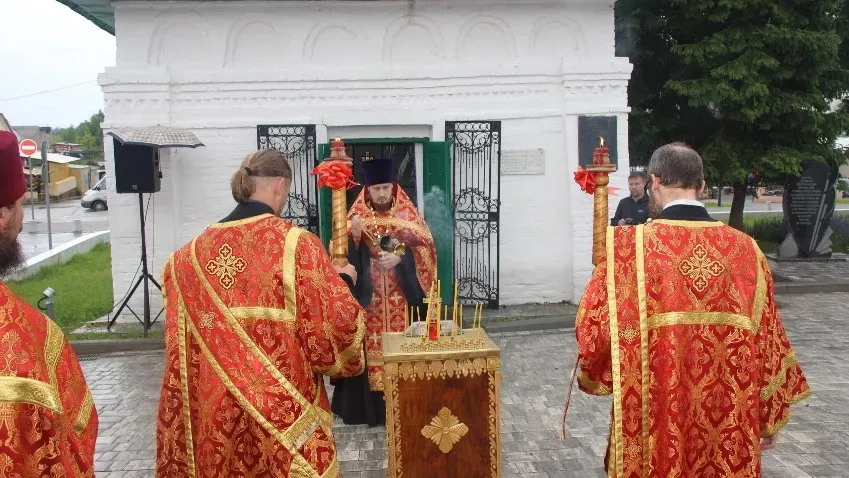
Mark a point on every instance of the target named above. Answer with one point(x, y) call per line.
point(377, 73)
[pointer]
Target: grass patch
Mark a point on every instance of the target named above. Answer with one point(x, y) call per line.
point(83, 287)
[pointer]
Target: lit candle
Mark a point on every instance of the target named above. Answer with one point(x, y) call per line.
point(601, 154)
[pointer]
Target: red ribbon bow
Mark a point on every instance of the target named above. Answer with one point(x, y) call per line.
point(586, 180)
point(335, 175)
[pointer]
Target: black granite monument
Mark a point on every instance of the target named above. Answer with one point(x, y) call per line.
point(808, 207)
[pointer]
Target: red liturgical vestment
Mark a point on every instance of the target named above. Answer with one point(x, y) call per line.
point(48, 424)
point(403, 222)
point(679, 324)
point(256, 314)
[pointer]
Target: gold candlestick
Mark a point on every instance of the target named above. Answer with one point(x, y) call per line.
point(601, 169)
point(338, 161)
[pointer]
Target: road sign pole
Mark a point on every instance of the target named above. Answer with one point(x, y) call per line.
point(31, 187)
point(45, 179)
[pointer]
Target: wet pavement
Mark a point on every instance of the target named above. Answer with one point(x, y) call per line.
point(68, 221)
point(536, 368)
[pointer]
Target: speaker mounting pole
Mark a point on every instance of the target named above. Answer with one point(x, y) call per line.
point(143, 279)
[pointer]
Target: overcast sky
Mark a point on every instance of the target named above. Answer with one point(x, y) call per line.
point(48, 47)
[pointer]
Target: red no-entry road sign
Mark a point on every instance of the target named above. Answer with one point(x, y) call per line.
point(28, 147)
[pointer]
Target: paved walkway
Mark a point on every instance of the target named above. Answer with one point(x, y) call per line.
point(799, 271)
point(536, 367)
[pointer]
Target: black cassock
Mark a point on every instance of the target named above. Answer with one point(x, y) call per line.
point(353, 399)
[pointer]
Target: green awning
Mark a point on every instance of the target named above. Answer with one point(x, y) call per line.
point(99, 12)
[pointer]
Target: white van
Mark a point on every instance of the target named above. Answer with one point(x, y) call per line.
point(95, 198)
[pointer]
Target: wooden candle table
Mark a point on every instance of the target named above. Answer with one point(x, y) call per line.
point(442, 405)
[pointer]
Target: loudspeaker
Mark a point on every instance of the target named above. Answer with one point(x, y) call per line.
point(136, 168)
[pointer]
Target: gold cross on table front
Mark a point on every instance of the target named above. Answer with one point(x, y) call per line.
point(445, 430)
point(700, 268)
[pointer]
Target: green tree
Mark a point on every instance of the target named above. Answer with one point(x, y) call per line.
point(748, 83)
point(88, 134)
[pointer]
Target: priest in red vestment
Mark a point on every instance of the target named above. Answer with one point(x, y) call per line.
point(256, 314)
point(679, 324)
point(48, 424)
point(394, 253)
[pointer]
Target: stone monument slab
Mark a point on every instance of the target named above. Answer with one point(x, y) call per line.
point(808, 207)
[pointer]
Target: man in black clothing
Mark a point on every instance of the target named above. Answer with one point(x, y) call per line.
point(634, 209)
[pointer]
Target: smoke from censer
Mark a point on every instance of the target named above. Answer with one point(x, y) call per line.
point(438, 215)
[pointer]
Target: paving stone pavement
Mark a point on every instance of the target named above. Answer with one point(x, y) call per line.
point(803, 271)
point(536, 367)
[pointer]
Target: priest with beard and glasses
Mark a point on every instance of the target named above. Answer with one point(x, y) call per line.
point(49, 423)
point(393, 251)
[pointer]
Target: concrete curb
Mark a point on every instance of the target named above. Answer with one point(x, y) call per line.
point(788, 288)
point(99, 347)
point(61, 254)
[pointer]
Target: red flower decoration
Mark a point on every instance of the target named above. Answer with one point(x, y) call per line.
point(586, 180)
point(334, 175)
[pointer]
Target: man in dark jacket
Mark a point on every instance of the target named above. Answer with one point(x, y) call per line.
point(634, 209)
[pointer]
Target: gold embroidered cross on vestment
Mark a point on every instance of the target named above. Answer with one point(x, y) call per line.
point(700, 268)
point(226, 266)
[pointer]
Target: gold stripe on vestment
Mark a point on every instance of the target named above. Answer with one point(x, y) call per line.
point(355, 347)
point(644, 343)
point(687, 224)
point(182, 352)
point(240, 222)
point(780, 378)
point(701, 318)
point(760, 290)
point(26, 390)
point(290, 252)
point(263, 313)
point(591, 386)
point(617, 460)
point(52, 353)
point(85, 412)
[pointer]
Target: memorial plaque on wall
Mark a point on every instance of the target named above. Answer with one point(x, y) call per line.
point(808, 206)
point(590, 129)
point(523, 161)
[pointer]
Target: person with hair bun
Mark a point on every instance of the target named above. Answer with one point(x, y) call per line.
point(256, 314)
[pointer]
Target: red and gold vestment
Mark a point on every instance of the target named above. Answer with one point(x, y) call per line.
point(699, 366)
point(255, 315)
point(403, 222)
point(48, 423)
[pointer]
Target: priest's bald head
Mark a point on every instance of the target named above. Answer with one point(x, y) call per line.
point(12, 188)
point(676, 172)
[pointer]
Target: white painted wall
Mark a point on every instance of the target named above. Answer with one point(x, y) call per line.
point(222, 68)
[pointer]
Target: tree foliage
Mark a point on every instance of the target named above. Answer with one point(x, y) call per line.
point(88, 134)
point(748, 83)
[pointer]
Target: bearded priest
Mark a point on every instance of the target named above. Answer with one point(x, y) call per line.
point(49, 423)
point(394, 254)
